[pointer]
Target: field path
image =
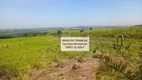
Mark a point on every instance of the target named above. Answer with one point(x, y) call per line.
point(75, 69)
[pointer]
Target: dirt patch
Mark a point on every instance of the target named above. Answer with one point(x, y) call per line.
point(75, 69)
point(6, 75)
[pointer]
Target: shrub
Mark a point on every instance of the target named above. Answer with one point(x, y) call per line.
point(112, 69)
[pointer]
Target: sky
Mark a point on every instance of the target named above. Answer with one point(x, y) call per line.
point(69, 13)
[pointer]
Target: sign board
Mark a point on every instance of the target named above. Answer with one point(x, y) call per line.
point(74, 43)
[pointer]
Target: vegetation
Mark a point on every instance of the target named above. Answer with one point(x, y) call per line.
point(59, 32)
point(81, 30)
point(112, 69)
point(120, 50)
point(90, 28)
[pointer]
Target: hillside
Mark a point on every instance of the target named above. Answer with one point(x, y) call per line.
point(21, 57)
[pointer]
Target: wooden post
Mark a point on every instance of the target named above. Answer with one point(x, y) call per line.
point(122, 40)
point(117, 43)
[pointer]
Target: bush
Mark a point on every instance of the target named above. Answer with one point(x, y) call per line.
point(112, 69)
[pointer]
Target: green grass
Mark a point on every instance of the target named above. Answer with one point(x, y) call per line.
point(19, 55)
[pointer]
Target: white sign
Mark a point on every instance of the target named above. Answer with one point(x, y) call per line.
point(74, 43)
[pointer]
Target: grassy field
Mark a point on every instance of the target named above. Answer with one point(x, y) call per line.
point(18, 56)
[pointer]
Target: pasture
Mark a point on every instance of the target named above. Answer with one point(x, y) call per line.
point(19, 56)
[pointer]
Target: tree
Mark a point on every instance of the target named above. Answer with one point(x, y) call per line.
point(59, 32)
point(81, 30)
point(90, 28)
point(44, 33)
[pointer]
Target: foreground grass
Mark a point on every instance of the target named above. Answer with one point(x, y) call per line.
point(19, 55)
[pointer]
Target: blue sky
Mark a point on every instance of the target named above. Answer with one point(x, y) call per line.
point(67, 13)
